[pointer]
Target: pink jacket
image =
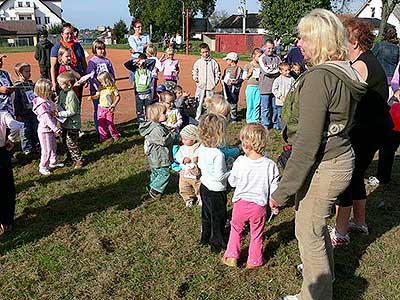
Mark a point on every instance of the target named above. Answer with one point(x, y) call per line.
point(44, 109)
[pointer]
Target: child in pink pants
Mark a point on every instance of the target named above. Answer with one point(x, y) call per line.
point(45, 110)
point(254, 177)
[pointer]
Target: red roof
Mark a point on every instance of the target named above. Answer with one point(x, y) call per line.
point(20, 27)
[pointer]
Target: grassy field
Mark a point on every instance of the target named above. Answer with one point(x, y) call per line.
point(94, 234)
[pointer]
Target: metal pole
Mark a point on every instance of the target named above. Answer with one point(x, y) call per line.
point(183, 21)
point(187, 31)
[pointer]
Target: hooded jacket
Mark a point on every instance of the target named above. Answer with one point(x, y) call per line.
point(44, 109)
point(42, 53)
point(318, 112)
point(157, 143)
point(207, 72)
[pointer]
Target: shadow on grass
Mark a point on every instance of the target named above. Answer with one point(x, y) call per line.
point(36, 223)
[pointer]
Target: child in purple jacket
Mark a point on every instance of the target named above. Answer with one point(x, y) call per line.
point(98, 64)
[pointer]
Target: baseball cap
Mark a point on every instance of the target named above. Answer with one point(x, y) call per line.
point(161, 88)
point(232, 56)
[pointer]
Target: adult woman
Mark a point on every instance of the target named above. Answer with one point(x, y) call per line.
point(77, 54)
point(138, 41)
point(318, 115)
point(372, 118)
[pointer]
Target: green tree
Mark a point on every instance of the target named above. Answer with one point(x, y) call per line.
point(218, 16)
point(282, 16)
point(120, 29)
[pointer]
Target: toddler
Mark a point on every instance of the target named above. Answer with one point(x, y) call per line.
point(66, 65)
point(280, 89)
point(296, 70)
point(213, 181)
point(151, 53)
point(232, 82)
point(157, 146)
point(23, 103)
point(69, 108)
point(99, 63)
point(170, 67)
point(187, 156)
point(174, 118)
point(254, 178)
point(45, 110)
point(109, 98)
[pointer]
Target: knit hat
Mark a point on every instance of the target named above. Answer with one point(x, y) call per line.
point(190, 132)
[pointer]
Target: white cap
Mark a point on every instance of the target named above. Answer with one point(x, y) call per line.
point(232, 56)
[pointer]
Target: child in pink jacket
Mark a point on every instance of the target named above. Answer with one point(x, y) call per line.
point(45, 110)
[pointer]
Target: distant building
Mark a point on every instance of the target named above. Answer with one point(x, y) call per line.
point(234, 24)
point(198, 26)
point(23, 18)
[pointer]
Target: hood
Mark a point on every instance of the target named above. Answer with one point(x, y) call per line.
point(40, 109)
point(345, 72)
point(206, 59)
point(146, 127)
point(46, 44)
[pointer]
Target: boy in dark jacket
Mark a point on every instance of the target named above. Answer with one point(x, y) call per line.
point(42, 54)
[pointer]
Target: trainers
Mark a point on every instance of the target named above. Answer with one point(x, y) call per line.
point(189, 203)
point(44, 171)
point(291, 297)
point(229, 261)
point(373, 181)
point(153, 193)
point(300, 268)
point(358, 227)
point(339, 239)
point(198, 202)
point(56, 165)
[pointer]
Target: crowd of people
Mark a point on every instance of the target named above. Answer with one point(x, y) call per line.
point(325, 96)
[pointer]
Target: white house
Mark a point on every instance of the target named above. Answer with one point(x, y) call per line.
point(43, 12)
point(373, 9)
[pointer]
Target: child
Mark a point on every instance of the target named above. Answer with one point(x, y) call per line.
point(142, 68)
point(255, 177)
point(171, 69)
point(7, 185)
point(108, 98)
point(23, 103)
point(206, 73)
point(66, 65)
point(45, 110)
point(187, 157)
point(42, 53)
point(251, 73)
point(280, 89)
point(6, 89)
point(232, 81)
point(174, 118)
point(182, 103)
point(157, 143)
point(213, 181)
point(151, 53)
point(69, 108)
point(99, 63)
point(295, 70)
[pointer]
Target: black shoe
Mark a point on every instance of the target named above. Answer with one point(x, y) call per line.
point(153, 193)
point(202, 243)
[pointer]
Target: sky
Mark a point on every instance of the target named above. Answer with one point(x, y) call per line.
point(89, 14)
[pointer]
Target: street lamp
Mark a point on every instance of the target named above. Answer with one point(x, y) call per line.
point(183, 20)
point(243, 11)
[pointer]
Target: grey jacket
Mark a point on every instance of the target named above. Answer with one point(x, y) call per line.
point(157, 143)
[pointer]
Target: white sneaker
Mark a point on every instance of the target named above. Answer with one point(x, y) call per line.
point(189, 203)
point(338, 239)
point(291, 297)
point(358, 227)
point(56, 165)
point(44, 171)
point(373, 181)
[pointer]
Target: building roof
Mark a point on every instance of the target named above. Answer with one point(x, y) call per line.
point(396, 10)
point(45, 4)
point(20, 27)
point(253, 20)
point(6, 32)
point(199, 25)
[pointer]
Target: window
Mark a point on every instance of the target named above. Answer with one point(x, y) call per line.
point(19, 4)
point(46, 20)
point(38, 20)
point(372, 12)
point(29, 18)
point(28, 4)
point(2, 18)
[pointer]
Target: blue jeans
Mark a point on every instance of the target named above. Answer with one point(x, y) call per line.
point(29, 136)
point(268, 110)
point(278, 117)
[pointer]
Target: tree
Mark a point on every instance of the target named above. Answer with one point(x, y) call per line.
point(387, 8)
point(120, 30)
point(218, 16)
point(282, 16)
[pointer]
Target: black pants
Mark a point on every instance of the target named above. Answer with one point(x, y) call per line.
point(386, 156)
point(213, 217)
point(7, 188)
point(45, 72)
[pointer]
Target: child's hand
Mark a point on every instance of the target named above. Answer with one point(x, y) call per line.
point(111, 109)
point(9, 145)
point(274, 206)
point(397, 95)
point(89, 98)
point(68, 68)
point(187, 160)
point(195, 160)
point(283, 98)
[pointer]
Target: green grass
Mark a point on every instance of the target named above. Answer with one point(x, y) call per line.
point(94, 234)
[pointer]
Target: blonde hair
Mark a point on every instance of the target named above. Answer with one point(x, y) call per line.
point(98, 44)
point(325, 35)
point(43, 88)
point(154, 111)
point(254, 136)
point(170, 50)
point(217, 105)
point(105, 79)
point(167, 96)
point(20, 66)
point(212, 130)
point(61, 52)
point(66, 78)
point(151, 50)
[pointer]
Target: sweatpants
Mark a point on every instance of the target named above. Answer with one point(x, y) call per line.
point(48, 149)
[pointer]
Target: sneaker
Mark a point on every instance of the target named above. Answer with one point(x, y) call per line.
point(44, 171)
point(189, 203)
point(198, 202)
point(291, 297)
point(339, 239)
point(300, 268)
point(153, 193)
point(56, 165)
point(78, 164)
point(81, 134)
point(229, 261)
point(358, 227)
point(373, 181)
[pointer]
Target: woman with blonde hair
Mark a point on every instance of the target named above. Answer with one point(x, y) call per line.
point(318, 114)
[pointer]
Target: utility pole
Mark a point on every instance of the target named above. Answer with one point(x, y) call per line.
point(183, 20)
point(243, 10)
